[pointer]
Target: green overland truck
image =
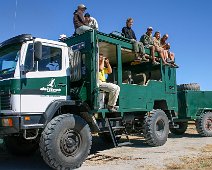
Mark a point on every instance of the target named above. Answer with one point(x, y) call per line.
point(49, 97)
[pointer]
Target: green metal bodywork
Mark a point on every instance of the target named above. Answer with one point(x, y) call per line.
point(132, 97)
point(193, 103)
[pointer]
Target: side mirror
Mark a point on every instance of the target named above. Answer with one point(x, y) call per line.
point(38, 50)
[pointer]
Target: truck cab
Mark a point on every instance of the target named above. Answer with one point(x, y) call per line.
point(31, 81)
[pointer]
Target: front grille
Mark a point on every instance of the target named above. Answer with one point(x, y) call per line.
point(5, 101)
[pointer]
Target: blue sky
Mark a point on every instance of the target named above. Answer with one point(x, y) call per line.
point(188, 23)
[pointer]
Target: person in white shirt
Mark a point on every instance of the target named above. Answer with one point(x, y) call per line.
point(91, 21)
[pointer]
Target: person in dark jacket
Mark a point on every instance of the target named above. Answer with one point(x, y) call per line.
point(79, 20)
point(130, 34)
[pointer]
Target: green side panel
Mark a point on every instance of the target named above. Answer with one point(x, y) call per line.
point(190, 102)
point(40, 86)
point(138, 97)
point(90, 51)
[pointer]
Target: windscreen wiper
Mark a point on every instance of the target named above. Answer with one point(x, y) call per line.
point(6, 69)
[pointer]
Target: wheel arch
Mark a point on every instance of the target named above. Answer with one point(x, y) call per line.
point(202, 111)
point(160, 104)
point(59, 107)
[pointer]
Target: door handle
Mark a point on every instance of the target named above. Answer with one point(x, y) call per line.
point(61, 85)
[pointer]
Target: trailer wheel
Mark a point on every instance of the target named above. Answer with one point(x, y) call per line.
point(156, 128)
point(66, 142)
point(17, 145)
point(181, 130)
point(204, 124)
point(191, 86)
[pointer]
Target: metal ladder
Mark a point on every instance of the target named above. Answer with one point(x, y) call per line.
point(113, 132)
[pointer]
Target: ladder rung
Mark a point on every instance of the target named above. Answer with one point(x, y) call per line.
point(115, 118)
point(124, 144)
point(118, 136)
point(118, 127)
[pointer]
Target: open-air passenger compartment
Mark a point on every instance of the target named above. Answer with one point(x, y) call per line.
point(132, 72)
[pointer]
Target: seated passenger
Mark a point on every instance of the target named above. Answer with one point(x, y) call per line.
point(147, 40)
point(166, 46)
point(137, 46)
point(112, 89)
point(79, 20)
point(53, 66)
point(91, 22)
point(162, 53)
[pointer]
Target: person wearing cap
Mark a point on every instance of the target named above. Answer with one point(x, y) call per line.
point(147, 40)
point(166, 46)
point(91, 21)
point(80, 24)
point(137, 46)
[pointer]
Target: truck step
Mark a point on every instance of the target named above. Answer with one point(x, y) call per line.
point(124, 144)
point(118, 127)
point(115, 118)
point(33, 126)
point(119, 136)
point(115, 137)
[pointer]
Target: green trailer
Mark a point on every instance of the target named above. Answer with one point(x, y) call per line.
point(194, 105)
point(50, 97)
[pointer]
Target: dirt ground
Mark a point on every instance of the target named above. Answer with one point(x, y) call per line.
point(189, 151)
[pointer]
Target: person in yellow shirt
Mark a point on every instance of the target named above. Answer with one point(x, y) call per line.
point(112, 89)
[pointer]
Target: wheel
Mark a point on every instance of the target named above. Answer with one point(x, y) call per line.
point(204, 124)
point(156, 128)
point(66, 142)
point(17, 145)
point(191, 86)
point(181, 130)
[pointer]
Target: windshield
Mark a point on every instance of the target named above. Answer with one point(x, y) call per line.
point(8, 61)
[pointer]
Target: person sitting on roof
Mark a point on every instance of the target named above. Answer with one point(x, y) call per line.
point(162, 53)
point(91, 22)
point(137, 46)
point(80, 24)
point(147, 40)
point(166, 46)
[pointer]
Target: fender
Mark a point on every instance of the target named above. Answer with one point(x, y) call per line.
point(54, 106)
point(203, 110)
point(83, 112)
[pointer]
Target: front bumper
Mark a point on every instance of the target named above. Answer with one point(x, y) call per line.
point(16, 122)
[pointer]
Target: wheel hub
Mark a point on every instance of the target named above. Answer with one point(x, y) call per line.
point(70, 142)
point(160, 127)
point(208, 124)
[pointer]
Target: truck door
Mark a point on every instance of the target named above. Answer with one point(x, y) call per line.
point(170, 79)
point(46, 81)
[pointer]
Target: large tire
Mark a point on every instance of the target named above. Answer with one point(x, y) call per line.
point(204, 124)
point(156, 128)
point(191, 86)
point(181, 130)
point(17, 145)
point(66, 142)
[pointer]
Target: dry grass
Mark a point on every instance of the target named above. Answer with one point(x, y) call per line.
point(203, 162)
point(207, 148)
